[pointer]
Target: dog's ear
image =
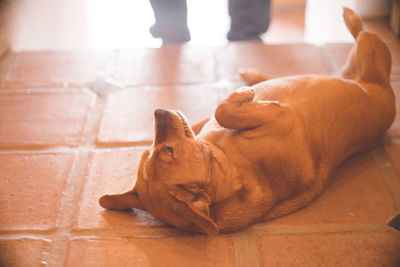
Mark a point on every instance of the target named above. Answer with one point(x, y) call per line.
point(121, 201)
point(198, 210)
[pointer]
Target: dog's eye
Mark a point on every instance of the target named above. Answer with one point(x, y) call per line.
point(169, 150)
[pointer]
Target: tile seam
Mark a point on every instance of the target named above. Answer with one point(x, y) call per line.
point(70, 203)
point(389, 174)
point(327, 228)
point(69, 208)
point(245, 249)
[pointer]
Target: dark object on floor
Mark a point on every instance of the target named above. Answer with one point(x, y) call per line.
point(171, 21)
point(395, 222)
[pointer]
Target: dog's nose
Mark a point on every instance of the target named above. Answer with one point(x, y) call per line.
point(170, 124)
point(159, 112)
point(162, 113)
point(164, 122)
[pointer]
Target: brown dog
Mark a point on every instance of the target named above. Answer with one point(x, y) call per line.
point(269, 149)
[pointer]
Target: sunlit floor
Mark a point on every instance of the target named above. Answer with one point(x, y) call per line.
point(119, 24)
point(104, 24)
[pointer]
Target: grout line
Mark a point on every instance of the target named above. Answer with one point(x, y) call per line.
point(126, 144)
point(319, 228)
point(29, 233)
point(39, 149)
point(54, 252)
point(67, 149)
point(45, 252)
point(243, 238)
point(48, 150)
point(215, 80)
point(55, 255)
point(43, 90)
point(389, 174)
point(245, 248)
point(93, 122)
point(137, 232)
point(70, 204)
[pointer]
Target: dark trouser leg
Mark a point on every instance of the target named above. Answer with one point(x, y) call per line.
point(249, 19)
point(171, 21)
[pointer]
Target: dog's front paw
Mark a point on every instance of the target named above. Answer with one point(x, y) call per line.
point(242, 95)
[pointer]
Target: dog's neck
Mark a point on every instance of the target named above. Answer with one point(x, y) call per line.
point(224, 176)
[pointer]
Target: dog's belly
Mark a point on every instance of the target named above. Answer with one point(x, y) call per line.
point(340, 117)
point(333, 119)
point(284, 163)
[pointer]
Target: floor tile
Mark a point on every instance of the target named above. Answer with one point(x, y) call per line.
point(330, 249)
point(40, 118)
point(128, 114)
point(273, 60)
point(45, 69)
point(32, 189)
point(111, 171)
point(176, 64)
point(22, 252)
point(183, 251)
point(356, 194)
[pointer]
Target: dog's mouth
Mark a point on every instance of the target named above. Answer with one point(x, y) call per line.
point(169, 117)
point(186, 128)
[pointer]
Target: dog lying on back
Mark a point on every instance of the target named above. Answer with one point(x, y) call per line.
point(269, 149)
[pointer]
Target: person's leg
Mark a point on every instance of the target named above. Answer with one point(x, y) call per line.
point(171, 21)
point(249, 19)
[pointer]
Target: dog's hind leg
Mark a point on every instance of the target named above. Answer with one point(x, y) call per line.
point(239, 112)
point(369, 60)
point(198, 126)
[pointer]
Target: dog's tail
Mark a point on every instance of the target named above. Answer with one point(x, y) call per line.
point(353, 22)
point(369, 60)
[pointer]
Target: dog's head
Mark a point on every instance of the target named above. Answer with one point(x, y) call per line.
point(173, 177)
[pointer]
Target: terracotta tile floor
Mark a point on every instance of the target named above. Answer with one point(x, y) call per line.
point(72, 126)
